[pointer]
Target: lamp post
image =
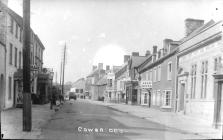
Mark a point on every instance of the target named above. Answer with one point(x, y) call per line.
point(51, 89)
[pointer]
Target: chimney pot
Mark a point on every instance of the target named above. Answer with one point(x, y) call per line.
point(107, 67)
point(126, 58)
point(147, 53)
point(100, 66)
point(94, 67)
point(135, 53)
point(154, 49)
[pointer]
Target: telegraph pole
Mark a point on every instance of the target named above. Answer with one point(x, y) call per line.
point(27, 109)
point(63, 69)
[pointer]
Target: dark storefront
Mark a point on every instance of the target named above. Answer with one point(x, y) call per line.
point(44, 84)
point(131, 92)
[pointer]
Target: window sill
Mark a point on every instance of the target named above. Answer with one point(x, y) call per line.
point(165, 106)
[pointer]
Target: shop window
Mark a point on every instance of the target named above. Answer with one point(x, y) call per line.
point(204, 78)
point(193, 80)
point(167, 98)
point(169, 71)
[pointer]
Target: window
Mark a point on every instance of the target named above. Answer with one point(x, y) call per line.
point(10, 88)
point(151, 75)
point(15, 57)
point(12, 25)
point(204, 76)
point(110, 82)
point(20, 36)
point(154, 97)
point(193, 80)
point(169, 71)
point(167, 98)
point(159, 73)
point(16, 30)
point(36, 49)
point(158, 98)
point(20, 59)
point(145, 98)
point(147, 75)
point(154, 79)
point(10, 54)
point(31, 59)
point(217, 63)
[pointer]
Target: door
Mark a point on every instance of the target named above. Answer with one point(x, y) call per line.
point(134, 96)
point(149, 98)
point(15, 93)
point(145, 98)
point(182, 92)
point(1, 91)
point(219, 104)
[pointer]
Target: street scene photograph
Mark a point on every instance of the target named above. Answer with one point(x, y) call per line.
point(111, 69)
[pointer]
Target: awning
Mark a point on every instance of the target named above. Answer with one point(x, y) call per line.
point(18, 75)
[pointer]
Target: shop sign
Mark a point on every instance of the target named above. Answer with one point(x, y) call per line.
point(146, 84)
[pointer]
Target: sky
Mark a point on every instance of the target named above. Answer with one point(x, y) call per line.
point(102, 31)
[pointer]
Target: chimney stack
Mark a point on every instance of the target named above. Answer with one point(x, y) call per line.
point(94, 67)
point(107, 68)
point(135, 53)
point(147, 53)
point(4, 1)
point(159, 53)
point(191, 25)
point(126, 58)
point(166, 45)
point(100, 66)
point(154, 49)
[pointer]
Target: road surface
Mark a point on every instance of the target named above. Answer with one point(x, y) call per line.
point(83, 120)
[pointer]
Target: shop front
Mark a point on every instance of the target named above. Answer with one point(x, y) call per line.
point(131, 92)
point(44, 86)
point(145, 88)
point(18, 88)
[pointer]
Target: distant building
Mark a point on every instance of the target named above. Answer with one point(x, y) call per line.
point(79, 87)
point(111, 94)
point(92, 79)
point(121, 77)
point(131, 83)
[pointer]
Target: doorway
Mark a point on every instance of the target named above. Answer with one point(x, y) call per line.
point(2, 90)
point(182, 92)
point(219, 105)
point(15, 89)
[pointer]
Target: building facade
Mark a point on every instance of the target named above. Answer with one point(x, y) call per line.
point(12, 29)
point(199, 86)
point(158, 77)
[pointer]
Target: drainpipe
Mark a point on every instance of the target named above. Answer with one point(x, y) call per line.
point(176, 85)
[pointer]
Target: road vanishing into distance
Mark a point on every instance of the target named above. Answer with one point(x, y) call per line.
point(85, 120)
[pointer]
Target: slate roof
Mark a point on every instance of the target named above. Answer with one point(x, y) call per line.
point(135, 61)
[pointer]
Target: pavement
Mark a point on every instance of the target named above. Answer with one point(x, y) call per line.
point(170, 119)
point(11, 122)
